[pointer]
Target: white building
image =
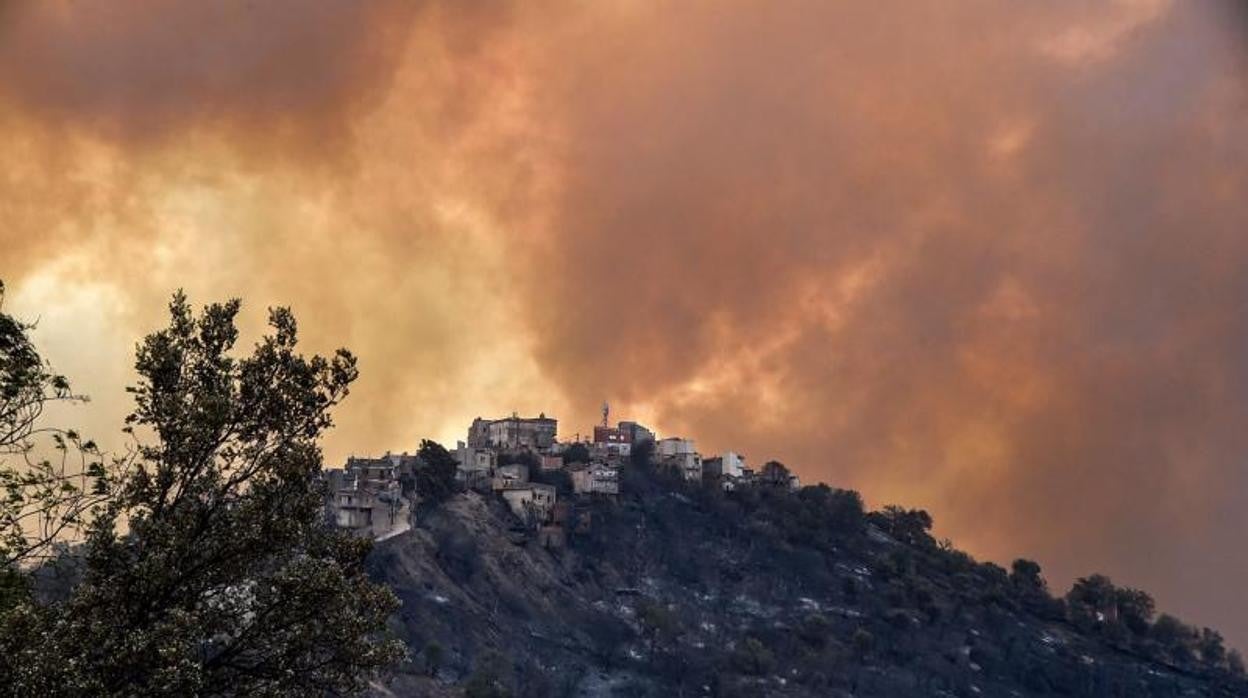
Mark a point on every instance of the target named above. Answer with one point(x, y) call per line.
point(680, 454)
point(675, 446)
point(531, 502)
point(475, 465)
point(729, 465)
point(595, 478)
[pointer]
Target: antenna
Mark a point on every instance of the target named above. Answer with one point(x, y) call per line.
point(606, 412)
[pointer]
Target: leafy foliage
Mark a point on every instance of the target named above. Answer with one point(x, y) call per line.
point(209, 568)
point(683, 588)
point(576, 453)
point(43, 500)
point(435, 477)
point(911, 526)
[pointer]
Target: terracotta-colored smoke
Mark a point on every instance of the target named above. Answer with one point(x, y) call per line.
point(981, 257)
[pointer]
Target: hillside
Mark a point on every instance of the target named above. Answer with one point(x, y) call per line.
point(676, 589)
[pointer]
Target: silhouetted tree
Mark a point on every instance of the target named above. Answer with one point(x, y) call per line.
point(42, 499)
point(210, 570)
point(1175, 638)
point(1212, 651)
point(576, 453)
point(776, 473)
point(435, 476)
point(1135, 609)
point(910, 526)
point(1235, 662)
point(1093, 600)
point(1025, 575)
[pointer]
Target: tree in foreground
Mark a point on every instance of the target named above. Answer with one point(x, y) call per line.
point(209, 568)
point(45, 493)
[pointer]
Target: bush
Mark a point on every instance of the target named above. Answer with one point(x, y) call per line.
point(435, 477)
point(433, 658)
point(863, 642)
point(910, 526)
point(754, 658)
point(491, 678)
point(576, 453)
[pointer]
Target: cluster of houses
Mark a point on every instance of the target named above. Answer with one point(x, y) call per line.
point(372, 497)
point(518, 458)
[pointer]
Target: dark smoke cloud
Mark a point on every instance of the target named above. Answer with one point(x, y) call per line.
point(139, 70)
point(982, 257)
point(303, 153)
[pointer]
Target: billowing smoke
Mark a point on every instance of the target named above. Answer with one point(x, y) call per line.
point(981, 257)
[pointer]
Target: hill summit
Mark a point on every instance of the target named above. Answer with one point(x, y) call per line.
point(673, 587)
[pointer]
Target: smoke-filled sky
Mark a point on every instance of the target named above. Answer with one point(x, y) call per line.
point(989, 257)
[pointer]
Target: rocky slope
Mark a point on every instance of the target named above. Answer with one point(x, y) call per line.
point(680, 590)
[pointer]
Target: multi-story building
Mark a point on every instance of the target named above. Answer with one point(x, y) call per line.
point(775, 473)
point(674, 446)
point(635, 433)
point(366, 497)
point(620, 439)
point(472, 458)
point(374, 471)
point(355, 509)
point(514, 432)
point(479, 433)
point(730, 465)
point(680, 454)
point(611, 439)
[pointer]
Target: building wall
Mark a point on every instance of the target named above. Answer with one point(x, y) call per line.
point(690, 465)
point(535, 500)
point(514, 432)
point(595, 479)
point(636, 433)
point(366, 496)
point(608, 435)
point(473, 458)
point(674, 446)
point(479, 433)
point(506, 476)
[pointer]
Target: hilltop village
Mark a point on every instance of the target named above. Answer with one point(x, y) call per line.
point(541, 478)
point(629, 564)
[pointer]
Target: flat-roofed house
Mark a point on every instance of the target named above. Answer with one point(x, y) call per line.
point(531, 502)
point(514, 432)
point(595, 478)
point(730, 465)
